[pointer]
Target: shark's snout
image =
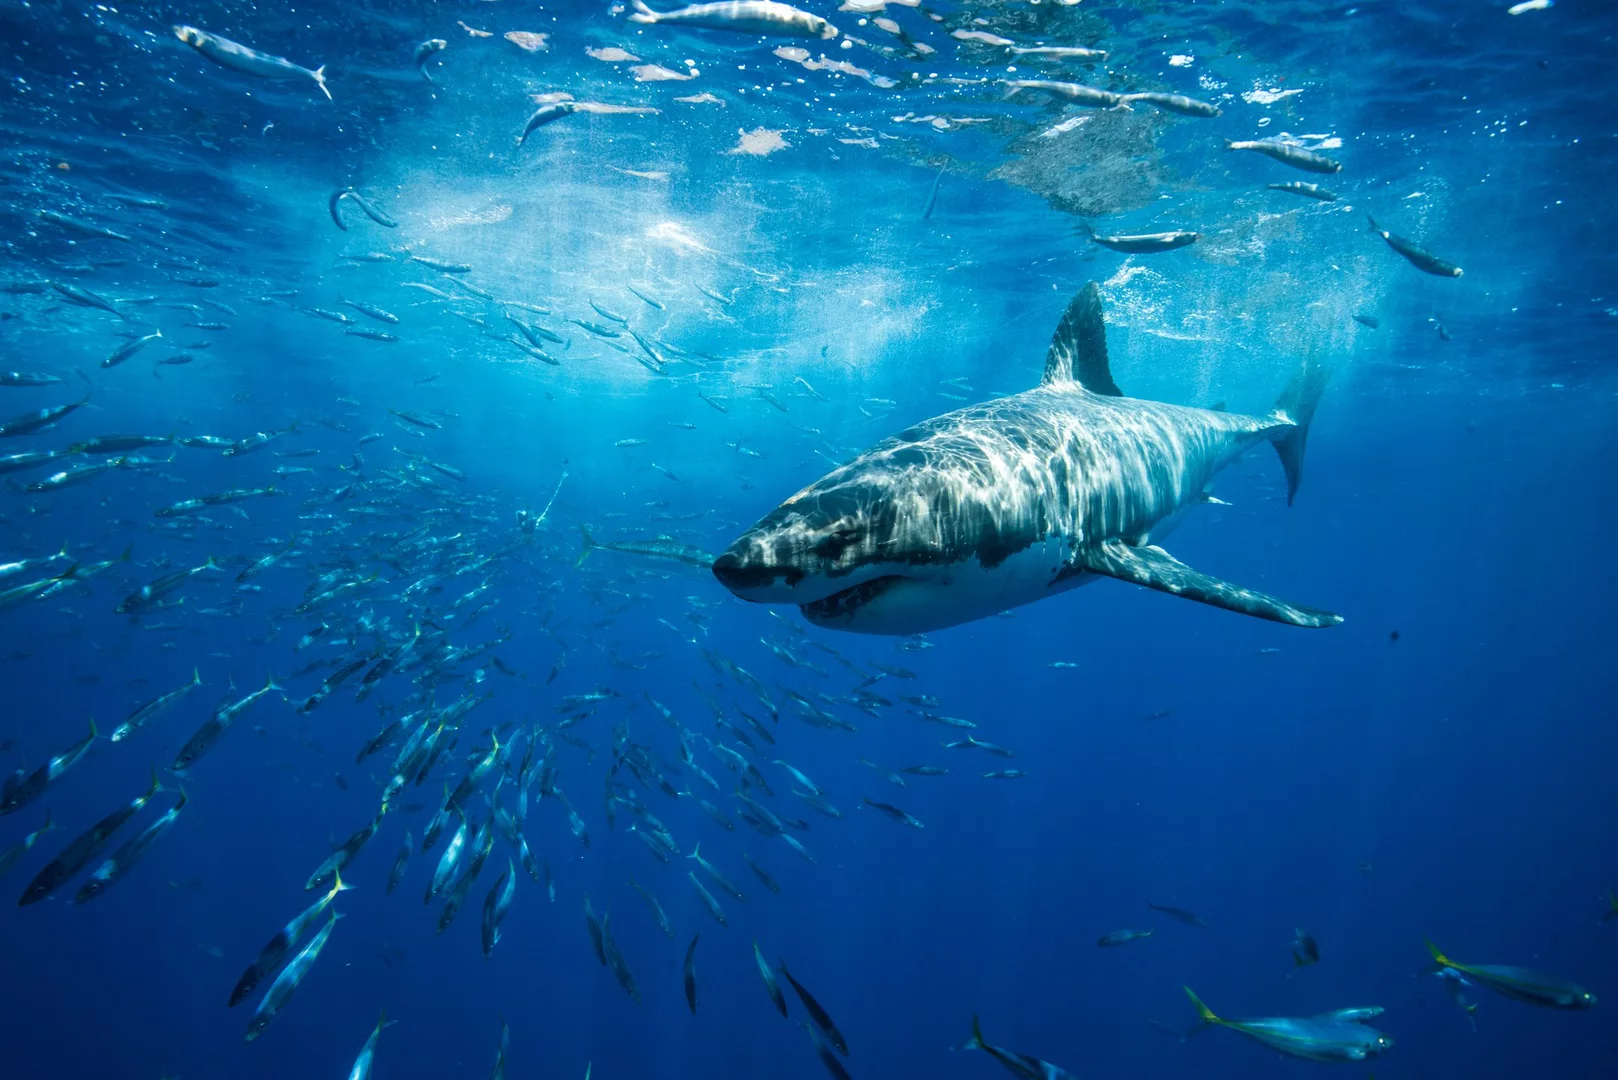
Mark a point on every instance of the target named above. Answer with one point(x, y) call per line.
point(742, 575)
point(754, 569)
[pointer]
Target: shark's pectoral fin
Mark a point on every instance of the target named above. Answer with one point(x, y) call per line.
point(1157, 569)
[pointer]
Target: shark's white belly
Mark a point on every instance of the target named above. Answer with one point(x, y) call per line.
point(961, 592)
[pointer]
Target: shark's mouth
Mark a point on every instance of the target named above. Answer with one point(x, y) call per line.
point(842, 605)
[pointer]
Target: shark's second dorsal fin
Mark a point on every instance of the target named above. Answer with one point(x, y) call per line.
point(1078, 351)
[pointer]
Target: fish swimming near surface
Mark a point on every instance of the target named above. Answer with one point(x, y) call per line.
point(334, 203)
point(932, 196)
point(496, 905)
point(546, 114)
point(1175, 103)
point(1077, 93)
point(279, 947)
point(1418, 256)
point(822, 1019)
point(741, 16)
point(1023, 1065)
point(663, 547)
point(227, 53)
point(1287, 154)
point(281, 990)
point(1000, 504)
point(770, 983)
point(1304, 949)
point(84, 847)
point(1517, 983)
point(1145, 243)
point(10, 855)
point(1061, 52)
point(1455, 986)
point(1308, 191)
point(691, 973)
point(425, 52)
point(21, 790)
point(362, 1064)
point(111, 871)
point(1341, 1035)
point(1190, 918)
point(29, 378)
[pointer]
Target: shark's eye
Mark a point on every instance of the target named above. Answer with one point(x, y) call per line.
point(834, 544)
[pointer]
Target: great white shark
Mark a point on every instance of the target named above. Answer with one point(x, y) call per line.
point(1010, 501)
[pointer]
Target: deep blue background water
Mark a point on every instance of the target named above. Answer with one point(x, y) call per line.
point(1454, 783)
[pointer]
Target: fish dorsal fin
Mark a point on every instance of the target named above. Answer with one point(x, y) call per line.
point(1078, 351)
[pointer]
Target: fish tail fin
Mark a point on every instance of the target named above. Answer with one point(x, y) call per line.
point(1438, 957)
point(643, 14)
point(49, 824)
point(1298, 961)
point(337, 885)
point(129, 550)
point(271, 684)
point(320, 81)
point(1295, 409)
point(588, 545)
point(156, 785)
point(1230, 144)
point(1203, 1011)
point(976, 1042)
point(1374, 226)
point(196, 676)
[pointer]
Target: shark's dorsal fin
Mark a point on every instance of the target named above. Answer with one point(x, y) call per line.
point(1078, 351)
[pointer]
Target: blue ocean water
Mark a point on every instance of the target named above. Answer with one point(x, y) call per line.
point(831, 239)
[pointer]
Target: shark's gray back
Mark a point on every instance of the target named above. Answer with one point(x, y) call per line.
point(1057, 460)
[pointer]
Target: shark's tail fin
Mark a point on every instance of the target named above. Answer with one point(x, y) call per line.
point(1295, 409)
